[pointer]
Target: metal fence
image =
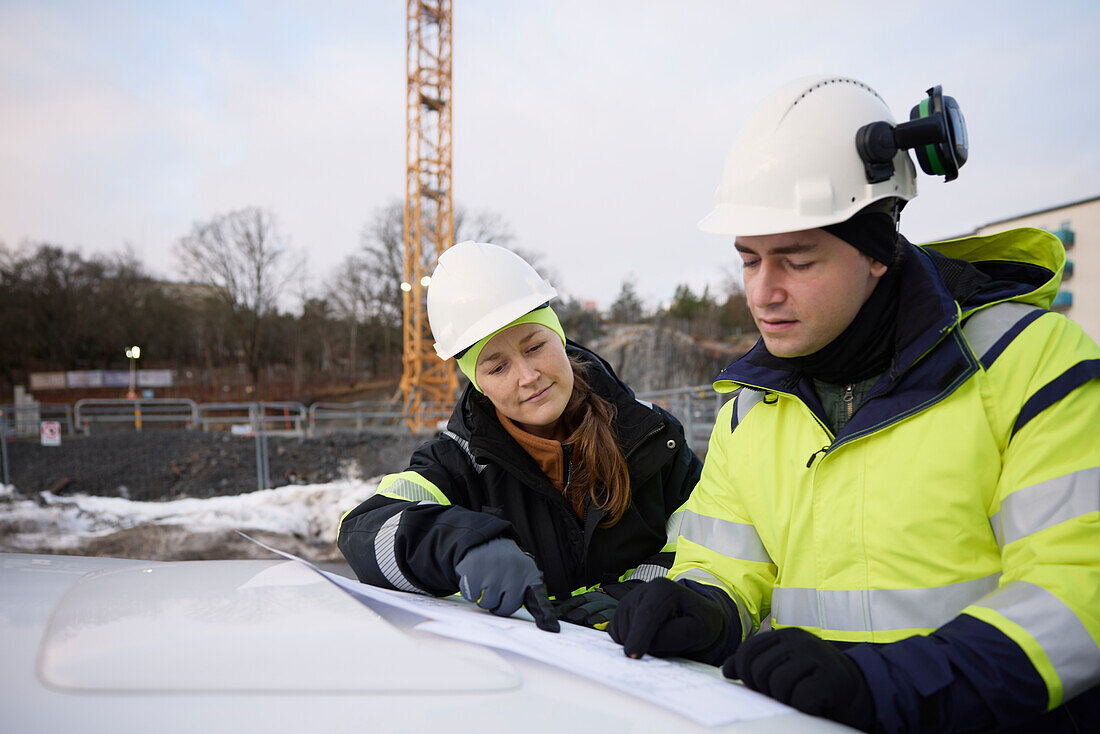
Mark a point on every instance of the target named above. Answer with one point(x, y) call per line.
point(329, 418)
point(138, 414)
point(696, 407)
point(170, 442)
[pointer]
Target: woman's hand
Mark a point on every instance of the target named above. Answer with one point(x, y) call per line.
point(499, 577)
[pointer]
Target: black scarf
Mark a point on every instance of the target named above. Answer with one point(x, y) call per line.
point(866, 347)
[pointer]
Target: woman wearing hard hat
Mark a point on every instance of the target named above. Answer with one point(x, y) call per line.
point(551, 479)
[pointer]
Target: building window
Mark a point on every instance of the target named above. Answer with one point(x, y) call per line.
point(1067, 272)
point(1065, 234)
point(1063, 300)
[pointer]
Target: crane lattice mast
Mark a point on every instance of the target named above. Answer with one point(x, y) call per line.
point(427, 383)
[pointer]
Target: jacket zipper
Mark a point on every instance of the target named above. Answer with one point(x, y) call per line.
point(655, 430)
point(849, 399)
point(822, 450)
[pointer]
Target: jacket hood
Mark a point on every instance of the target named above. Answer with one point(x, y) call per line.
point(1025, 263)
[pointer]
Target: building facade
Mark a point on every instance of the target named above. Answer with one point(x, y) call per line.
point(1078, 226)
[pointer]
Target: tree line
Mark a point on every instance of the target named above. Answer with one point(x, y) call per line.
point(60, 310)
point(704, 315)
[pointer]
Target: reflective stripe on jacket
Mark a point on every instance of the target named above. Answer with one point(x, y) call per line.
point(967, 483)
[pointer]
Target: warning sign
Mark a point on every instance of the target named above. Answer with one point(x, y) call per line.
point(51, 433)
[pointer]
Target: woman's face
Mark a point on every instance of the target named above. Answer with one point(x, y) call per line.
point(526, 374)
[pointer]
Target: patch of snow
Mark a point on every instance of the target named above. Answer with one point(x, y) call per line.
point(310, 512)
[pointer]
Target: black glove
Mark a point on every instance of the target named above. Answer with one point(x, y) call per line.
point(618, 589)
point(596, 607)
point(803, 671)
point(665, 618)
point(590, 609)
point(499, 577)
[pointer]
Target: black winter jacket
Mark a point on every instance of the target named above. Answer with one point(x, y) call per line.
point(473, 483)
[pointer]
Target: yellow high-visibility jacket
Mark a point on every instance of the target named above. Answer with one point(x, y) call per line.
point(967, 483)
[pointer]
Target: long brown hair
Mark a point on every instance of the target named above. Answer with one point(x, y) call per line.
point(599, 467)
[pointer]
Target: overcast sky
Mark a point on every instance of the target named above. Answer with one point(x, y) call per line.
point(597, 129)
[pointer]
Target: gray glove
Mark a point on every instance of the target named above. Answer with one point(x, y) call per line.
point(499, 577)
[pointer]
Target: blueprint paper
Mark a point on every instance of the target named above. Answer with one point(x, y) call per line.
point(696, 691)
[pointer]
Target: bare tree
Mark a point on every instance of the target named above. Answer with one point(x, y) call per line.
point(381, 258)
point(242, 256)
point(482, 226)
point(59, 310)
point(350, 293)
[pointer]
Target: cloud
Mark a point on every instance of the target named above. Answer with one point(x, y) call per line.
point(597, 130)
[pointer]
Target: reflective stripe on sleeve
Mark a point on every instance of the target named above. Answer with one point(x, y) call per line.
point(1057, 630)
point(404, 489)
point(1046, 504)
point(705, 577)
point(465, 446)
point(731, 539)
point(647, 572)
point(876, 610)
point(387, 560)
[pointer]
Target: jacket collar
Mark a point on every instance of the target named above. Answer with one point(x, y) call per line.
point(929, 363)
point(942, 283)
point(928, 311)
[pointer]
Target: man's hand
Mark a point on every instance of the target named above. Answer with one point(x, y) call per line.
point(500, 577)
point(664, 618)
point(803, 671)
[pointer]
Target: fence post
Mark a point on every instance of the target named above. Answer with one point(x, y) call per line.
point(689, 420)
point(4, 446)
point(263, 446)
point(256, 437)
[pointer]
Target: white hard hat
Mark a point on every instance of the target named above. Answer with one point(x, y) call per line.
point(796, 166)
point(476, 289)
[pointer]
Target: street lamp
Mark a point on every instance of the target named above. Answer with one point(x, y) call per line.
point(133, 354)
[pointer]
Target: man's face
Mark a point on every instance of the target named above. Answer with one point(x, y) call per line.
point(525, 372)
point(804, 288)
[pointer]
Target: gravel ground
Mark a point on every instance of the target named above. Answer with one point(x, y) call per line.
point(163, 464)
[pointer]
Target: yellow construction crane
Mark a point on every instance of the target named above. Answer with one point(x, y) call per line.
point(427, 383)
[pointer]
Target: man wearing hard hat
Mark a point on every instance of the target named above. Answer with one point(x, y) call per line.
point(906, 485)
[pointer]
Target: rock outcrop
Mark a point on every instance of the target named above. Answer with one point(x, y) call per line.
point(649, 357)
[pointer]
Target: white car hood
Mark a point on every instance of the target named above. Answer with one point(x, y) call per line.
point(113, 645)
point(243, 626)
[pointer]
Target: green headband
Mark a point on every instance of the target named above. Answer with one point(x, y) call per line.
point(544, 316)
